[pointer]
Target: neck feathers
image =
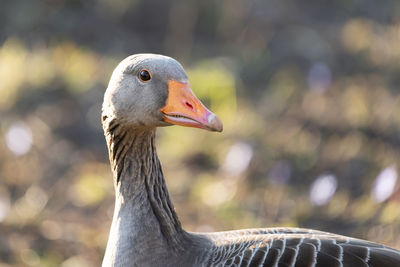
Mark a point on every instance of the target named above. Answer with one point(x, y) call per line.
point(137, 172)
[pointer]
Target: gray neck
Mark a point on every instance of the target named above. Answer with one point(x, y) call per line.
point(144, 217)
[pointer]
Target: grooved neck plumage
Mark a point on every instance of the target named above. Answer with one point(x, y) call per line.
point(141, 193)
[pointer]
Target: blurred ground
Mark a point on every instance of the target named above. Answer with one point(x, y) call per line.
point(308, 92)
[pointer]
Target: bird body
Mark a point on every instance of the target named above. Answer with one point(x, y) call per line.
point(148, 91)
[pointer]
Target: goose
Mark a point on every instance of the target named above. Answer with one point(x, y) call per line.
point(147, 91)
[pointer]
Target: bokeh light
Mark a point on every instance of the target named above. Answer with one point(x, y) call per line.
point(19, 138)
point(238, 158)
point(323, 189)
point(384, 184)
point(280, 173)
point(319, 77)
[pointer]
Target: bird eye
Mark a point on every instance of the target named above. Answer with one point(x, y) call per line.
point(144, 75)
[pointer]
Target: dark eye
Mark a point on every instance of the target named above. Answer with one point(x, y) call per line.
point(144, 75)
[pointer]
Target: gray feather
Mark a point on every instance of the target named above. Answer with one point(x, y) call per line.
point(146, 231)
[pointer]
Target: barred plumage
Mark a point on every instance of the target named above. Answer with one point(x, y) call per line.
point(296, 247)
point(146, 230)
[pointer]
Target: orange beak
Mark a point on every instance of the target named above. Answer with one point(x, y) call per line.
point(184, 108)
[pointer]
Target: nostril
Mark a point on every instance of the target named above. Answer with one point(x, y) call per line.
point(189, 105)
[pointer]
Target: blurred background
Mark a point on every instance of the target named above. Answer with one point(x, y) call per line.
point(308, 92)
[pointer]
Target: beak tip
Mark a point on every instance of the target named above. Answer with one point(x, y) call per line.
point(215, 123)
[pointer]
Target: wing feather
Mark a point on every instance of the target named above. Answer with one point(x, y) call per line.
point(259, 257)
point(296, 247)
point(272, 257)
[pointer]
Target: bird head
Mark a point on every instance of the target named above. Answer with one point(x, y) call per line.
point(149, 90)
